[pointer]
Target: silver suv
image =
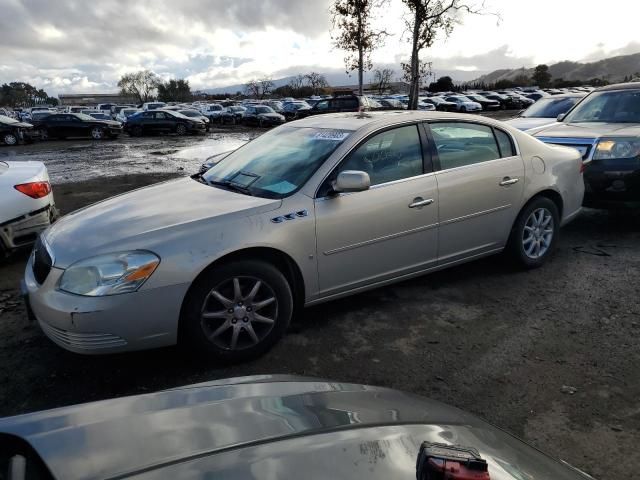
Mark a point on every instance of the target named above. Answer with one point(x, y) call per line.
point(311, 211)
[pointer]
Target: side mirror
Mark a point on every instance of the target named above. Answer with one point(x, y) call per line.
point(560, 117)
point(352, 181)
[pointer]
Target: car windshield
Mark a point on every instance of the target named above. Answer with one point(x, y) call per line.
point(279, 162)
point(82, 116)
point(5, 119)
point(190, 113)
point(550, 107)
point(618, 106)
point(264, 110)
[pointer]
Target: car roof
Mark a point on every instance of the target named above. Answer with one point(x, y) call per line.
point(357, 120)
point(620, 86)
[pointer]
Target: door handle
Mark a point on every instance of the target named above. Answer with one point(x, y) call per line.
point(419, 202)
point(506, 181)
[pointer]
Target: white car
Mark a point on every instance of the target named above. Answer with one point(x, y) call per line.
point(463, 104)
point(27, 204)
point(153, 105)
point(212, 111)
point(126, 113)
point(427, 107)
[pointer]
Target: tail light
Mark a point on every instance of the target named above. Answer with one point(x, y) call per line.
point(34, 189)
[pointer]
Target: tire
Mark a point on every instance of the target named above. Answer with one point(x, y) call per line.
point(10, 139)
point(528, 244)
point(463, 109)
point(213, 337)
point(181, 129)
point(97, 133)
point(44, 134)
point(260, 123)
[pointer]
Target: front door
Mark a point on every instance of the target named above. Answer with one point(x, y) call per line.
point(386, 231)
point(480, 185)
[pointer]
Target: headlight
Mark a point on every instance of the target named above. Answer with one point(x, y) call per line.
point(617, 148)
point(109, 274)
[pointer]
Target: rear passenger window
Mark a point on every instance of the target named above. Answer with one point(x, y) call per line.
point(391, 155)
point(460, 144)
point(506, 146)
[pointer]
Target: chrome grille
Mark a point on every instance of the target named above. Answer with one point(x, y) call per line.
point(583, 145)
point(85, 341)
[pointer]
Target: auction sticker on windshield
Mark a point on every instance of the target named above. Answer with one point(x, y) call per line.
point(331, 135)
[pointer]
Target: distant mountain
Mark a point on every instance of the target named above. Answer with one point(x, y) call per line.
point(338, 78)
point(611, 69)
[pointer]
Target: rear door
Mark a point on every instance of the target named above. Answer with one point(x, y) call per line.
point(480, 186)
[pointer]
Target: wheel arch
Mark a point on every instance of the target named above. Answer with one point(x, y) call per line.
point(279, 259)
point(549, 193)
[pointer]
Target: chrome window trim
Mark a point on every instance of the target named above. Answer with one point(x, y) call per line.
point(374, 187)
point(487, 162)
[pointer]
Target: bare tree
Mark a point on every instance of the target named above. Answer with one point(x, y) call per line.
point(259, 88)
point(316, 81)
point(296, 84)
point(426, 20)
point(424, 72)
point(382, 79)
point(355, 34)
point(142, 85)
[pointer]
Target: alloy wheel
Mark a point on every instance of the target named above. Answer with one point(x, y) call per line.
point(10, 139)
point(97, 133)
point(239, 313)
point(538, 233)
point(181, 129)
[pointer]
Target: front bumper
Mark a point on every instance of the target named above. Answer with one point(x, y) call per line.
point(24, 230)
point(612, 184)
point(99, 325)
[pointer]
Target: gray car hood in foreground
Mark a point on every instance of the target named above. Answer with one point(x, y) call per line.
point(266, 428)
point(587, 130)
point(120, 221)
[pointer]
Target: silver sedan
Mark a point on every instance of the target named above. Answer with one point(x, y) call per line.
point(314, 210)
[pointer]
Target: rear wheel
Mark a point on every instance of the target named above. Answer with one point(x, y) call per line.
point(181, 129)
point(535, 233)
point(44, 134)
point(237, 311)
point(10, 139)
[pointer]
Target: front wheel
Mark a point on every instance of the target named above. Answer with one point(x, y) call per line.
point(535, 233)
point(237, 311)
point(463, 109)
point(44, 134)
point(181, 129)
point(10, 139)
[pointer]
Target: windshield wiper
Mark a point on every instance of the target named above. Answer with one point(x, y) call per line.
point(234, 187)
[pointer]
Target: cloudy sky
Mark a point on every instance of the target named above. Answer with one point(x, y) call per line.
point(85, 46)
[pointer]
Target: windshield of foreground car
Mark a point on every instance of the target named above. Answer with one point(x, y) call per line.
point(618, 106)
point(265, 110)
point(550, 107)
point(279, 162)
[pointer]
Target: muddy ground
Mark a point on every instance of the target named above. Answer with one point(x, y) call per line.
point(551, 355)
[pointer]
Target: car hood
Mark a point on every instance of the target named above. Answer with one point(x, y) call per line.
point(270, 115)
point(131, 219)
point(17, 124)
point(253, 427)
point(587, 130)
point(526, 123)
point(112, 123)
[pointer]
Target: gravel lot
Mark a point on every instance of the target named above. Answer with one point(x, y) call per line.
point(551, 355)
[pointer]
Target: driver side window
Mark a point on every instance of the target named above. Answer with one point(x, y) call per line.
point(391, 155)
